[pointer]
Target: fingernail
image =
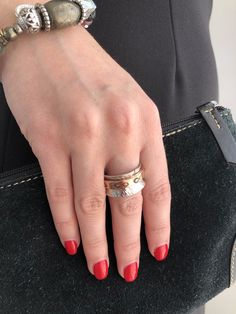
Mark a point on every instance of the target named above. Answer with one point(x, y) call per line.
point(131, 272)
point(161, 252)
point(71, 247)
point(100, 269)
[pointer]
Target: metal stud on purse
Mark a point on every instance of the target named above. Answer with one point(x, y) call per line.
point(54, 14)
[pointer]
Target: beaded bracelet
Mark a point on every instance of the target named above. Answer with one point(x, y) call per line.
point(54, 14)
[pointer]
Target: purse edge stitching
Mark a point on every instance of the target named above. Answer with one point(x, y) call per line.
point(20, 182)
point(183, 128)
point(189, 126)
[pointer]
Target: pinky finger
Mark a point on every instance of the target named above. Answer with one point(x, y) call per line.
point(156, 199)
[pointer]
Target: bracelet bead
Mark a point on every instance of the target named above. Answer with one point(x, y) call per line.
point(54, 14)
point(63, 13)
point(9, 33)
point(3, 40)
point(17, 28)
point(45, 16)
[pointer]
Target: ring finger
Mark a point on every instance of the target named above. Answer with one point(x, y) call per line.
point(126, 223)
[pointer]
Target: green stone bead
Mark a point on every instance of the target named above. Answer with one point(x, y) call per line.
point(9, 33)
point(63, 13)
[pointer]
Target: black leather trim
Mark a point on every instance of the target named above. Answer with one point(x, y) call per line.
point(220, 130)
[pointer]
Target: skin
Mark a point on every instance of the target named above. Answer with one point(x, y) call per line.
point(83, 114)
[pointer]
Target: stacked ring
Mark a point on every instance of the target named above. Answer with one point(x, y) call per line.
point(126, 184)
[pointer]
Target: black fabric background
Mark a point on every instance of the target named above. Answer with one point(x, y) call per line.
point(38, 276)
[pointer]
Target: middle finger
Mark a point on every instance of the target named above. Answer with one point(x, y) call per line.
point(90, 206)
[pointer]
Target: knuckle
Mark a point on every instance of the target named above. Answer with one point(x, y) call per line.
point(151, 108)
point(41, 136)
point(95, 242)
point(151, 114)
point(160, 192)
point(84, 124)
point(58, 194)
point(157, 230)
point(64, 224)
point(122, 115)
point(91, 205)
point(131, 206)
point(132, 246)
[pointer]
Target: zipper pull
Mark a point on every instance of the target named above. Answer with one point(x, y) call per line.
point(220, 130)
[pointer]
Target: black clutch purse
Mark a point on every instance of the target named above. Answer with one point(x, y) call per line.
point(38, 276)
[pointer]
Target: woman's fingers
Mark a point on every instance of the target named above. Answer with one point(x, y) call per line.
point(56, 169)
point(126, 223)
point(74, 181)
point(156, 193)
point(110, 118)
point(90, 206)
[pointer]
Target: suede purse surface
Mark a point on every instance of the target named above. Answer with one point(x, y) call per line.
point(38, 276)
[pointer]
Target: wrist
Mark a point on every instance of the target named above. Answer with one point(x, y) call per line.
point(54, 16)
point(8, 18)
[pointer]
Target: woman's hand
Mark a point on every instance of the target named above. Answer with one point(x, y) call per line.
point(83, 114)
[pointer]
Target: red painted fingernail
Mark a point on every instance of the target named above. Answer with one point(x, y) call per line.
point(71, 247)
point(100, 269)
point(131, 272)
point(161, 252)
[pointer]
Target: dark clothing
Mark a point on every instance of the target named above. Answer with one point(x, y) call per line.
point(164, 45)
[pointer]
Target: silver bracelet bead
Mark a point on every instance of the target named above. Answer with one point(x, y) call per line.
point(45, 16)
point(88, 11)
point(17, 28)
point(28, 18)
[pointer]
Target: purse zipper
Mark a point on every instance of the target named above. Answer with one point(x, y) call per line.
point(34, 168)
point(190, 118)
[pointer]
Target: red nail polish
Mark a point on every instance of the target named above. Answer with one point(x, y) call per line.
point(71, 247)
point(100, 269)
point(131, 272)
point(161, 252)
